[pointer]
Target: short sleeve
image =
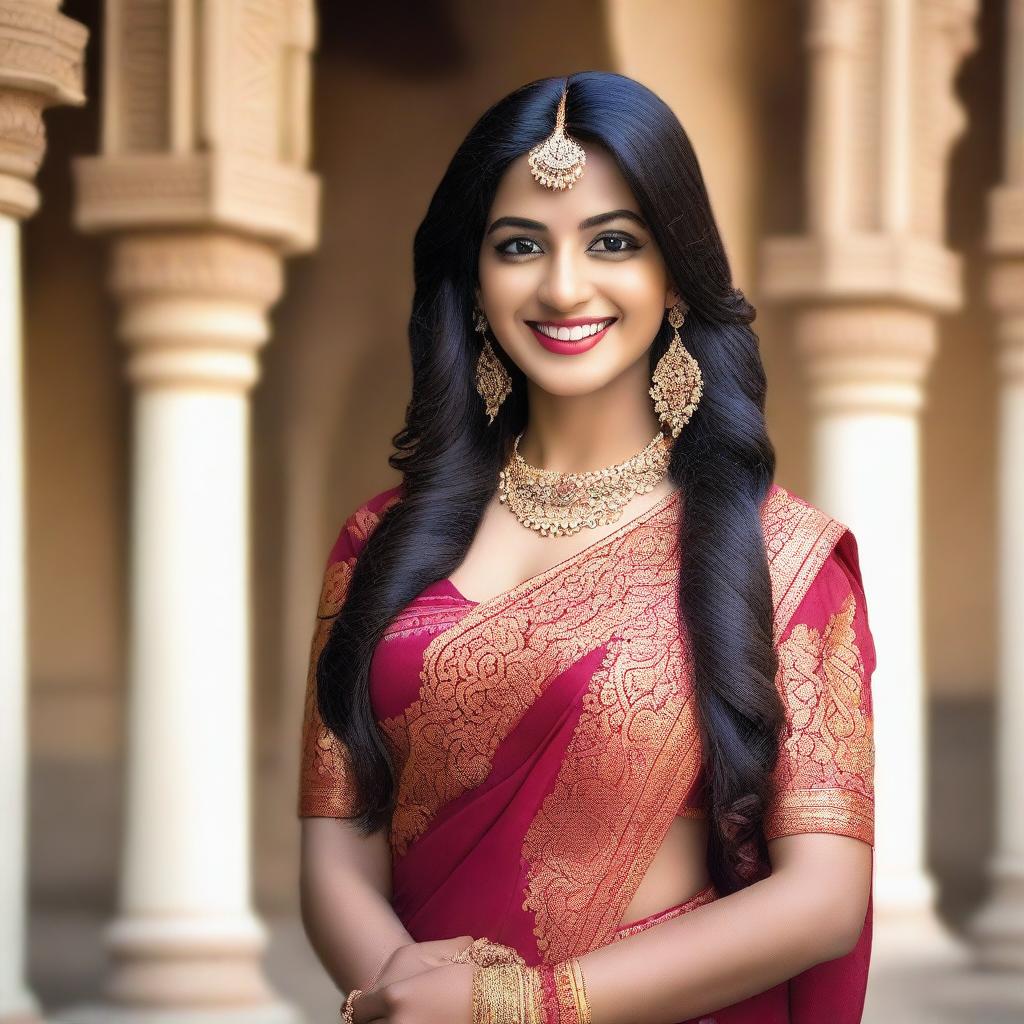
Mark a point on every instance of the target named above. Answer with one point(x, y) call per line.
point(824, 778)
point(326, 784)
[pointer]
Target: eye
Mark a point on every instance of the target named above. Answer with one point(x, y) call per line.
point(616, 244)
point(623, 243)
point(502, 247)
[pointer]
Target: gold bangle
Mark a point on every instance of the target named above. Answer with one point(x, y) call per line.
point(507, 994)
point(571, 993)
point(563, 992)
point(348, 1009)
point(534, 1008)
point(496, 995)
point(372, 983)
point(579, 991)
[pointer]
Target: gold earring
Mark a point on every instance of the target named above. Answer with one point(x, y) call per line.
point(493, 382)
point(677, 381)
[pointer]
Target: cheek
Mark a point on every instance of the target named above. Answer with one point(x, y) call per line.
point(507, 285)
point(638, 287)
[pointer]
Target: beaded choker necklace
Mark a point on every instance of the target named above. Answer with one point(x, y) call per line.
point(556, 504)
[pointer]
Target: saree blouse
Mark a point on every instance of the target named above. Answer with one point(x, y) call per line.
point(544, 739)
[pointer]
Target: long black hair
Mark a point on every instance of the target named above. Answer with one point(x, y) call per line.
point(449, 457)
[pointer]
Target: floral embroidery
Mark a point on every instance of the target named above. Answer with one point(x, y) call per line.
point(480, 676)
point(635, 752)
point(798, 539)
point(427, 614)
point(326, 787)
point(633, 756)
point(825, 775)
point(325, 778)
point(636, 749)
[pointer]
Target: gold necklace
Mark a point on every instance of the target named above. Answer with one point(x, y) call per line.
point(555, 504)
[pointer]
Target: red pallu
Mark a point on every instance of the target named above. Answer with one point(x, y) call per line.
point(544, 739)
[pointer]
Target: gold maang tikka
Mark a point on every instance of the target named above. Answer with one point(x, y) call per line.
point(677, 383)
point(558, 161)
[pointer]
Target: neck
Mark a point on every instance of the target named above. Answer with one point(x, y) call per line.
point(576, 433)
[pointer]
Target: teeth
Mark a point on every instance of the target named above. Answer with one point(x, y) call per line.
point(577, 333)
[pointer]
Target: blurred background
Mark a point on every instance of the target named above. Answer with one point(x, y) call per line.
point(205, 278)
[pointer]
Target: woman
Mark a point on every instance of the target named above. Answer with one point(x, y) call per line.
point(618, 723)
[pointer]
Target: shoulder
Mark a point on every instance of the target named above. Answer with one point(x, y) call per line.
point(361, 522)
point(807, 548)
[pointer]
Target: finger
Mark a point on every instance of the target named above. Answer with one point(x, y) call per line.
point(438, 952)
point(455, 944)
point(370, 1006)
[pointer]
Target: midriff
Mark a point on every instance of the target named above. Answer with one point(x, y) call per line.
point(678, 871)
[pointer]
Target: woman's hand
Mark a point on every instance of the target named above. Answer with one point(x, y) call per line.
point(416, 957)
point(439, 995)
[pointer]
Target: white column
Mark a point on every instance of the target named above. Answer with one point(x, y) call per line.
point(202, 181)
point(998, 929)
point(866, 367)
point(40, 65)
point(186, 938)
point(868, 282)
point(15, 999)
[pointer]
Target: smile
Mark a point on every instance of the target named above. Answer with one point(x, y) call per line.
point(571, 339)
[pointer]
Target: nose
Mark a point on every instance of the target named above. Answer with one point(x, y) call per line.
point(565, 285)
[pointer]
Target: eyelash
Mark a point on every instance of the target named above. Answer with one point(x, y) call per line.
point(515, 256)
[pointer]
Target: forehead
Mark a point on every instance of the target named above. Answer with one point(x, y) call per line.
point(600, 188)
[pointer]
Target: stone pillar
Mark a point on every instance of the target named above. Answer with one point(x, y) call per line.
point(202, 183)
point(998, 930)
point(41, 54)
point(867, 284)
point(866, 366)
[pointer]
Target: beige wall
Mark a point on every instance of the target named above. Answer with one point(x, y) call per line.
point(960, 418)
point(733, 73)
point(76, 408)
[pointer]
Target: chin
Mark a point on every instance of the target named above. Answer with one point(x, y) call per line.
point(572, 383)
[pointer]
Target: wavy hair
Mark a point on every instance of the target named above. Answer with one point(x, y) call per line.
point(449, 457)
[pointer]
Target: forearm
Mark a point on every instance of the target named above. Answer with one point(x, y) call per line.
point(351, 927)
point(714, 956)
point(350, 924)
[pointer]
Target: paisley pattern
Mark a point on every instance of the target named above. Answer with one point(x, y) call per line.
point(544, 833)
point(325, 777)
point(479, 677)
point(798, 538)
point(636, 750)
point(326, 788)
point(634, 754)
point(825, 774)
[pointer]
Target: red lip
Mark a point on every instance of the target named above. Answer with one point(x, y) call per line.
point(574, 322)
point(569, 348)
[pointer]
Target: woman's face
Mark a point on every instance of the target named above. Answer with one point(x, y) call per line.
point(582, 255)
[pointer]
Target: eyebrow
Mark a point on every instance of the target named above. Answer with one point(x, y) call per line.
point(536, 225)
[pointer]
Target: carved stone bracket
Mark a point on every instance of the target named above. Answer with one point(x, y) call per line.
point(41, 65)
point(258, 197)
point(883, 115)
point(205, 122)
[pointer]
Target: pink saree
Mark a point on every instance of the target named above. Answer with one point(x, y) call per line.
point(545, 739)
